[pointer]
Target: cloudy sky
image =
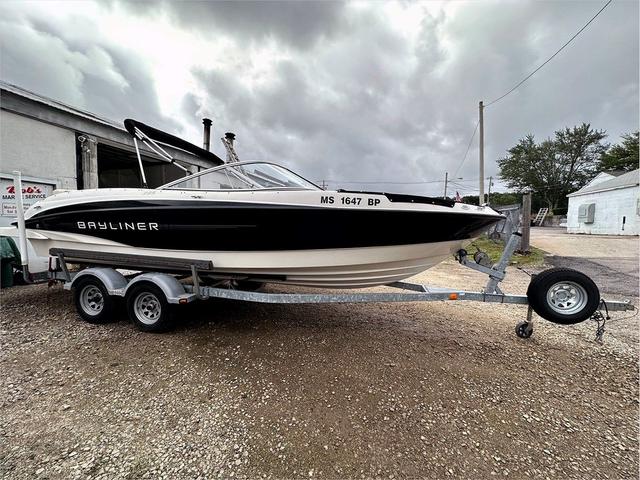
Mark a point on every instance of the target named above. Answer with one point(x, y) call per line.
point(362, 91)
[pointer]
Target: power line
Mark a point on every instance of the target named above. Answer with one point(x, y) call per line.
point(468, 147)
point(324, 183)
point(552, 56)
point(383, 183)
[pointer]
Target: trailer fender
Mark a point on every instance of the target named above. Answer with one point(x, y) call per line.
point(170, 286)
point(113, 281)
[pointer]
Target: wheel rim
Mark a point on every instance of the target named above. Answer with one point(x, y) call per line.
point(91, 300)
point(147, 308)
point(567, 297)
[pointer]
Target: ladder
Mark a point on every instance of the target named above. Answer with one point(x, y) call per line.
point(542, 213)
point(232, 156)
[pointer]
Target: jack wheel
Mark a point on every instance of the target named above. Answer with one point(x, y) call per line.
point(524, 330)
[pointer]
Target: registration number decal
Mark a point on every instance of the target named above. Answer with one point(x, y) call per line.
point(331, 200)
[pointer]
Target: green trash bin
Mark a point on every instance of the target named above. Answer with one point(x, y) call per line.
point(9, 258)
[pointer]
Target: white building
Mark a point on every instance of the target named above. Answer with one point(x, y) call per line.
point(57, 146)
point(608, 205)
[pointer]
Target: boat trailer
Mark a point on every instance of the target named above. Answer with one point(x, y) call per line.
point(559, 295)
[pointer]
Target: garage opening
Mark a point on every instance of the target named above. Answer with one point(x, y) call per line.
point(118, 168)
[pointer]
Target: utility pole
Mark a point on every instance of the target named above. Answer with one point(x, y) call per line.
point(323, 185)
point(526, 222)
point(481, 123)
point(446, 179)
point(489, 191)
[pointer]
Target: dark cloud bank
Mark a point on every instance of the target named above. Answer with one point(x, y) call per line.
point(352, 97)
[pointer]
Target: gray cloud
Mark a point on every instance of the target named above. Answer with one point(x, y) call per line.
point(105, 79)
point(356, 98)
point(296, 23)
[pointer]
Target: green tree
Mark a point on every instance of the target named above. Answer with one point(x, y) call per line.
point(623, 156)
point(496, 199)
point(556, 166)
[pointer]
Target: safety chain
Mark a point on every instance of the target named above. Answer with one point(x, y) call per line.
point(600, 320)
point(523, 270)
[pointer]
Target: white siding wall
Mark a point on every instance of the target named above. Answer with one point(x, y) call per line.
point(37, 149)
point(611, 206)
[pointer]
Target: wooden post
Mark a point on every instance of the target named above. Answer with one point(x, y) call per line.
point(526, 222)
point(481, 152)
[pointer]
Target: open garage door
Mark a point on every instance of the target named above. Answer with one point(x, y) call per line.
point(118, 168)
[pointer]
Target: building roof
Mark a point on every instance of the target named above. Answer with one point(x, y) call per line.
point(626, 180)
point(24, 102)
point(36, 97)
point(614, 173)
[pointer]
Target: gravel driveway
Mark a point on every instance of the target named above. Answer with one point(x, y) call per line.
point(329, 391)
point(612, 261)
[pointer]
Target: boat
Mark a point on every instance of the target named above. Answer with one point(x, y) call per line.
point(257, 222)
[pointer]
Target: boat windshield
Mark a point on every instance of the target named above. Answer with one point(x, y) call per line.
point(242, 176)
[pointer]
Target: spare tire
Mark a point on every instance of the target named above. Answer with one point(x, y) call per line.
point(563, 295)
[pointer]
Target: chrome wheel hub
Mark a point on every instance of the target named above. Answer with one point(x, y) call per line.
point(567, 297)
point(91, 300)
point(147, 308)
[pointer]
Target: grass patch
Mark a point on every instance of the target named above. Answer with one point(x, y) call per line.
point(494, 250)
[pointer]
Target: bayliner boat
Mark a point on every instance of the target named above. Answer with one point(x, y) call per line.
point(260, 222)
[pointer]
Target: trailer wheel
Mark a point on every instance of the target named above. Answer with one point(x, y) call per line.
point(93, 302)
point(148, 308)
point(563, 295)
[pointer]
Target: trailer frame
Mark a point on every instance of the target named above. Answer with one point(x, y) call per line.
point(163, 274)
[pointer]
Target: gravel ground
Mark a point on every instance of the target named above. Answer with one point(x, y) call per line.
point(557, 241)
point(330, 391)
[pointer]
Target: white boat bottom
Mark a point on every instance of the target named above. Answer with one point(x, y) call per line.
point(326, 268)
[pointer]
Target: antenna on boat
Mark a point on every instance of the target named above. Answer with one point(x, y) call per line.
point(227, 141)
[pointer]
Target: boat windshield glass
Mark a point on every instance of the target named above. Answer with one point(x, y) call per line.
point(242, 176)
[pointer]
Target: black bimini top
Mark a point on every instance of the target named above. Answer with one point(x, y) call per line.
point(172, 140)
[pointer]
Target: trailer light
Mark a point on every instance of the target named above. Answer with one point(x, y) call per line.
point(453, 296)
point(182, 301)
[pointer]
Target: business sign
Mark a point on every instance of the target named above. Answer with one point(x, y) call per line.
point(31, 193)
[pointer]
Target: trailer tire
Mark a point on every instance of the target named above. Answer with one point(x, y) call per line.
point(148, 308)
point(563, 296)
point(93, 302)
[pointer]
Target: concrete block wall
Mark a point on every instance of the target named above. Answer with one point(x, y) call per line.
point(37, 149)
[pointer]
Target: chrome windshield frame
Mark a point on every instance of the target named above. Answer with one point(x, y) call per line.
point(237, 171)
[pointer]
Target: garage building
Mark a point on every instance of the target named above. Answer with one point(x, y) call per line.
point(56, 146)
point(608, 205)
